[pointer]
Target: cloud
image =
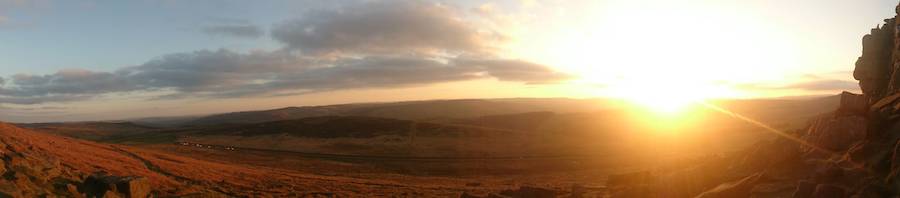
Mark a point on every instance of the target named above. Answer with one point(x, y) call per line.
point(384, 27)
point(516, 70)
point(817, 84)
point(373, 44)
point(69, 81)
point(23, 100)
point(242, 31)
point(227, 74)
point(44, 108)
point(825, 85)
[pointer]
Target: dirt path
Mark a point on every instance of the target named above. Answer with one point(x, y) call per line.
point(153, 167)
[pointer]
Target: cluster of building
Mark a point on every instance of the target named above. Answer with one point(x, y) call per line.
point(198, 145)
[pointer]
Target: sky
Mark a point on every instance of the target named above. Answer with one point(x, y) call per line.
point(102, 60)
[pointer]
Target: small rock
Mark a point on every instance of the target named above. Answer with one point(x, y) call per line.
point(129, 187)
point(134, 187)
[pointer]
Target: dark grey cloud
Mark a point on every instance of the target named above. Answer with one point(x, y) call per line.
point(227, 74)
point(238, 30)
point(236, 75)
point(372, 44)
point(71, 81)
point(210, 71)
point(384, 27)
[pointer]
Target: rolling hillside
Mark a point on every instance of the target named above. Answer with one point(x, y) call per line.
point(414, 110)
point(37, 164)
point(90, 130)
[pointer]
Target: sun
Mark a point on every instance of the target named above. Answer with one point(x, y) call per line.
point(669, 97)
point(663, 104)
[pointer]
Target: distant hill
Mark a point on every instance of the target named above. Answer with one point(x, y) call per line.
point(782, 112)
point(345, 135)
point(89, 130)
point(450, 110)
point(794, 112)
point(415, 110)
point(563, 131)
point(345, 127)
point(163, 122)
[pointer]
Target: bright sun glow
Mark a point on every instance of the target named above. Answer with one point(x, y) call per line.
point(665, 56)
point(665, 96)
point(667, 105)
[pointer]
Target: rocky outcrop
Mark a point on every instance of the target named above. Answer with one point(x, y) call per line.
point(853, 104)
point(102, 184)
point(874, 67)
point(854, 151)
point(835, 133)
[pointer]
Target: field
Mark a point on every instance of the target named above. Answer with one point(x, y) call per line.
point(354, 155)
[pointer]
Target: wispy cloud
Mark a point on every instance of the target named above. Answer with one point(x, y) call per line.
point(825, 85)
point(816, 84)
point(381, 44)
